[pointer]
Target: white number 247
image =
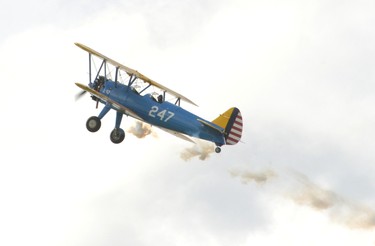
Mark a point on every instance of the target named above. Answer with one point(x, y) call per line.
point(163, 115)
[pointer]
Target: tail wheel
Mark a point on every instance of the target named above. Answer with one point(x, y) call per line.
point(117, 135)
point(93, 124)
point(218, 149)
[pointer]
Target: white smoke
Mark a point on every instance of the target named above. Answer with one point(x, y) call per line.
point(306, 193)
point(202, 149)
point(260, 177)
point(141, 130)
point(339, 209)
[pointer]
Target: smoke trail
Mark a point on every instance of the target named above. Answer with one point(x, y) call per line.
point(141, 130)
point(309, 194)
point(339, 209)
point(258, 177)
point(202, 149)
point(304, 192)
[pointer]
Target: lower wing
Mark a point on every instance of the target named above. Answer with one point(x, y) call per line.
point(177, 134)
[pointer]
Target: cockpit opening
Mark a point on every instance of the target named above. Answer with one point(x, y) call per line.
point(157, 98)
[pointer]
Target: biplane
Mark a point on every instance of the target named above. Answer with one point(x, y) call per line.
point(125, 90)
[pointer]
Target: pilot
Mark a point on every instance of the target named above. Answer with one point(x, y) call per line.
point(99, 82)
point(160, 98)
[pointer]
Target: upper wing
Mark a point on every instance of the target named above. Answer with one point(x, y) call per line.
point(135, 73)
point(116, 105)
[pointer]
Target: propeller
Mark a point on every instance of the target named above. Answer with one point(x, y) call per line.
point(79, 95)
point(96, 86)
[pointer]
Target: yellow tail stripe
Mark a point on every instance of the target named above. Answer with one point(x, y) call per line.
point(223, 119)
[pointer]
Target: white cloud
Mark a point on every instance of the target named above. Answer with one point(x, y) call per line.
point(300, 73)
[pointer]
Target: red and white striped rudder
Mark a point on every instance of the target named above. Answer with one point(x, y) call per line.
point(232, 122)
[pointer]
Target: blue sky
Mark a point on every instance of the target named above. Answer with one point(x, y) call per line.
point(301, 73)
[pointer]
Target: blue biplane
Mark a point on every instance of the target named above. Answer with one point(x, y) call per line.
point(128, 97)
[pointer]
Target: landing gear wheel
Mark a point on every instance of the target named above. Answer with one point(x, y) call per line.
point(117, 135)
point(93, 124)
point(217, 149)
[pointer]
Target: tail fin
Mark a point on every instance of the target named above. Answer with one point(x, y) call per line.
point(231, 121)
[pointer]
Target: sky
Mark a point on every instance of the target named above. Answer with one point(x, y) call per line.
point(301, 72)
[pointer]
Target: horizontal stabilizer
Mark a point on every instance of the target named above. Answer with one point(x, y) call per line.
point(209, 124)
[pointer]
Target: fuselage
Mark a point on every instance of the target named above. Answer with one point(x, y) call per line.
point(162, 114)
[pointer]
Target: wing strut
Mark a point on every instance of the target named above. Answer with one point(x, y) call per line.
point(101, 66)
point(148, 86)
point(89, 68)
point(132, 79)
point(117, 68)
point(178, 101)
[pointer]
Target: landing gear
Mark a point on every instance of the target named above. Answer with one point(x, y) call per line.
point(217, 149)
point(93, 124)
point(117, 135)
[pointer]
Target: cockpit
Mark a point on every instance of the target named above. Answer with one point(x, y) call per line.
point(98, 83)
point(157, 98)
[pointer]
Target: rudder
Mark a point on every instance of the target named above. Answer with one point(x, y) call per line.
point(231, 121)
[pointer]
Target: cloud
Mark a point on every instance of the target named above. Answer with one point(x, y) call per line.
point(180, 22)
point(309, 90)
